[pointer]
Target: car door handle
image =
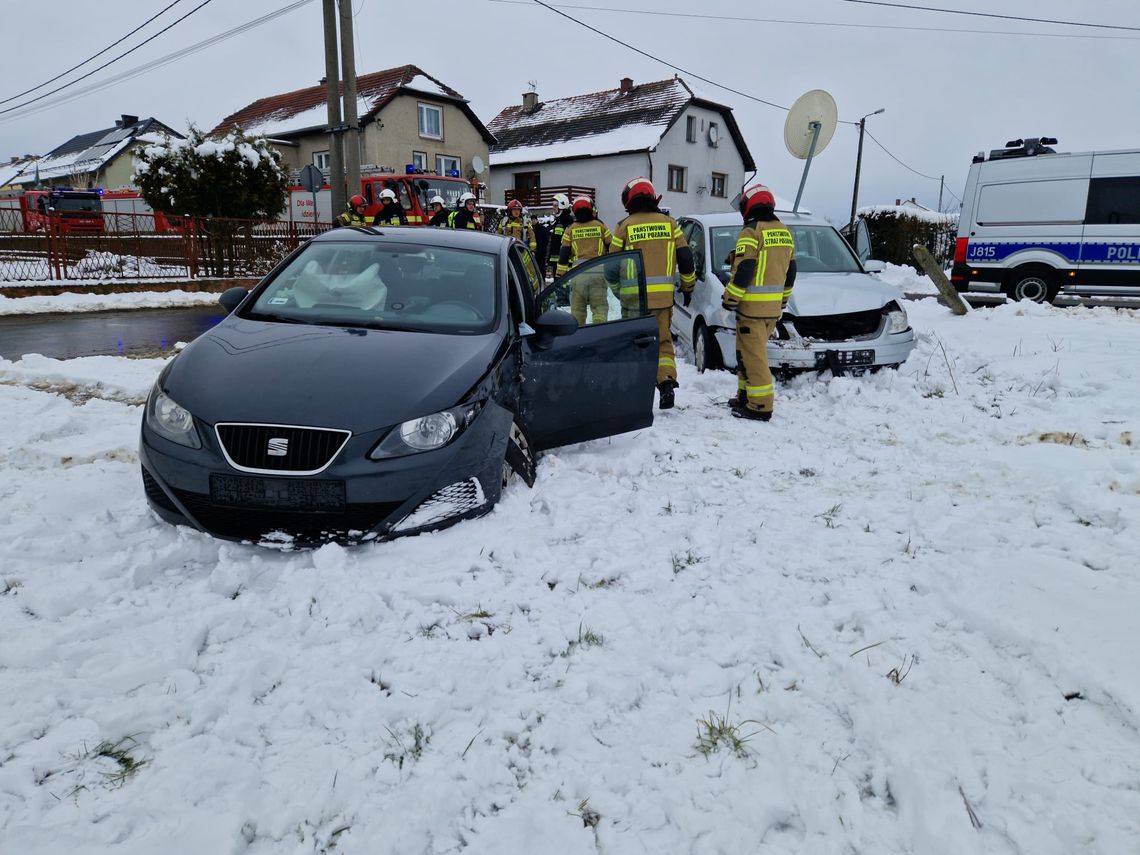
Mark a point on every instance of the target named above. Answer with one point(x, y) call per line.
point(645, 339)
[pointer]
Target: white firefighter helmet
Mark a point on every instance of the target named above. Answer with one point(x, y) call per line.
point(561, 201)
point(387, 195)
point(467, 197)
point(436, 200)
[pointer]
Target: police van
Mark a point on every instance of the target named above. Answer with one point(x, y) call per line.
point(1036, 222)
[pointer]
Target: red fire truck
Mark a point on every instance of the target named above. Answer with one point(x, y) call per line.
point(413, 188)
point(66, 209)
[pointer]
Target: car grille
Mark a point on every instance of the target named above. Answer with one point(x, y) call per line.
point(839, 327)
point(453, 501)
point(306, 450)
point(301, 527)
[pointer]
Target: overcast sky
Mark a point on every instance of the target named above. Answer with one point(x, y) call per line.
point(947, 94)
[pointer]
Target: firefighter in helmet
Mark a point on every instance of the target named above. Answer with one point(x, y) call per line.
point(587, 237)
point(391, 212)
point(516, 226)
point(438, 214)
point(354, 213)
point(665, 253)
point(763, 273)
point(563, 217)
point(464, 216)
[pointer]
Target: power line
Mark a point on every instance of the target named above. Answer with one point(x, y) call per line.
point(161, 61)
point(93, 56)
point(108, 62)
point(839, 24)
point(905, 165)
point(658, 59)
point(994, 15)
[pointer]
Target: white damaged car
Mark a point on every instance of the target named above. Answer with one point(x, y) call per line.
point(839, 317)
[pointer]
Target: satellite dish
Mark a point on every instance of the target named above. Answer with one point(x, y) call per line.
point(814, 107)
point(714, 136)
point(478, 165)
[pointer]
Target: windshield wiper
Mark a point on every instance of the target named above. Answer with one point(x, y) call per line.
point(270, 316)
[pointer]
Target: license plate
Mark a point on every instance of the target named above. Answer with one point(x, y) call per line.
point(845, 358)
point(292, 494)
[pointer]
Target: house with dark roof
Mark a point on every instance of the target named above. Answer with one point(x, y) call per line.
point(405, 116)
point(689, 147)
point(103, 158)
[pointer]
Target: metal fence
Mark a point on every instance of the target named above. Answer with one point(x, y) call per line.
point(135, 246)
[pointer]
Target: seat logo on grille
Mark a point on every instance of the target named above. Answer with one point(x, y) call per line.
point(278, 446)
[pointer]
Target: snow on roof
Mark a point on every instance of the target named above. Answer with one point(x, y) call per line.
point(597, 123)
point(304, 109)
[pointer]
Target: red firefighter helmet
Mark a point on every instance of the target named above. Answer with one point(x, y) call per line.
point(754, 196)
point(639, 186)
point(356, 201)
point(583, 203)
point(514, 205)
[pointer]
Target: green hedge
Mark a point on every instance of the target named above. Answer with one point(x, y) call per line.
point(894, 231)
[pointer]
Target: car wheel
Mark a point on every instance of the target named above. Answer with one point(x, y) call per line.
point(519, 458)
point(1032, 282)
point(706, 351)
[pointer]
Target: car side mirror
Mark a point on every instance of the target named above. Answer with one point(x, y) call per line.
point(552, 324)
point(872, 265)
point(231, 298)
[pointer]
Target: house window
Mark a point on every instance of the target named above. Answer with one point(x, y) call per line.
point(527, 181)
point(445, 164)
point(677, 179)
point(719, 180)
point(419, 160)
point(431, 122)
point(321, 160)
point(690, 128)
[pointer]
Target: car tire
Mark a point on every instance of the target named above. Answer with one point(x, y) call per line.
point(706, 351)
point(1034, 282)
point(519, 458)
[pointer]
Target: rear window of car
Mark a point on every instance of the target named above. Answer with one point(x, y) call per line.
point(385, 286)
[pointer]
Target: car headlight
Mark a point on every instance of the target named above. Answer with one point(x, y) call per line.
point(170, 420)
point(425, 433)
point(896, 314)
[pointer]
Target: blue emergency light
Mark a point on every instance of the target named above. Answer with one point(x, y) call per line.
point(453, 173)
point(409, 169)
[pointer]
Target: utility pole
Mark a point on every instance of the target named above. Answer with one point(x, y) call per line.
point(351, 120)
point(332, 79)
point(859, 163)
point(941, 186)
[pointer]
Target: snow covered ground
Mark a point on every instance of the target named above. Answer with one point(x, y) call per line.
point(899, 618)
point(79, 302)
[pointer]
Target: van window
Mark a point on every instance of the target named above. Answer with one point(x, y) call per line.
point(1113, 201)
point(1061, 201)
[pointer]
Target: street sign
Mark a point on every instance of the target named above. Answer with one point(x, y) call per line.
point(312, 179)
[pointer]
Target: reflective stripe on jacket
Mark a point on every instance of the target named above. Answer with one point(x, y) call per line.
point(759, 286)
point(518, 229)
point(351, 218)
point(660, 240)
point(583, 241)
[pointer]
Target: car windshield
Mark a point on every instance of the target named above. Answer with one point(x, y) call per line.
point(76, 203)
point(449, 190)
point(819, 249)
point(385, 286)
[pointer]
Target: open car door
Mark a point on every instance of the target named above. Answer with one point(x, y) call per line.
point(599, 379)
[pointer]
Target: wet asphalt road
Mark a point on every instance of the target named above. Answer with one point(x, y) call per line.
point(136, 332)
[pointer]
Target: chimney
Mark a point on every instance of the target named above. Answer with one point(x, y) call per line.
point(530, 101)
point(626, 85)
point(126, 121)
point(898, 202)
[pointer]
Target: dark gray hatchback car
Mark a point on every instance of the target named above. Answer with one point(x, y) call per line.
point(381, 382)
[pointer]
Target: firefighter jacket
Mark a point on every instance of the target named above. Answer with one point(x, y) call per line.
point(557, 230)
point(391, 214)
point(581, 242)
point(763, 270)
point(351, 218)
point(439, 219)
point(664, 251)
point(519, 228)
point(462, 219)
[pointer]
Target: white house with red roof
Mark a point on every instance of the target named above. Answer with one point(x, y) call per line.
point(690, 147)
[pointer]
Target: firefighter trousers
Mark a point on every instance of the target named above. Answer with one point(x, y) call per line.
point(589, 290)
point(753, 376)
point(666, 360)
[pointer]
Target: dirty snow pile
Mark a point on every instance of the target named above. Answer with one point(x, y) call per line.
point(899, 618)
point(79, 302)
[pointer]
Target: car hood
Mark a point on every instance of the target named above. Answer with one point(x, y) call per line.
point(357, 379)
point(817, 294)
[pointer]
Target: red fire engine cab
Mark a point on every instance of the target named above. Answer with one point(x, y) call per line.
point(63, 208)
